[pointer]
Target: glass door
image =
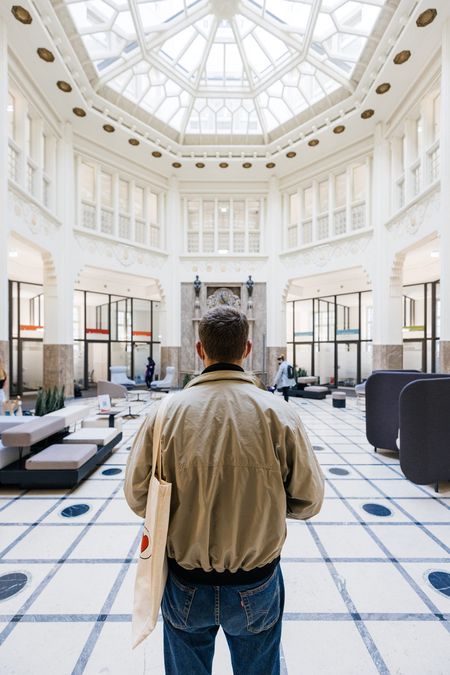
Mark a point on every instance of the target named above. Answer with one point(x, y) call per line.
point(347, 364)
point(97, 362)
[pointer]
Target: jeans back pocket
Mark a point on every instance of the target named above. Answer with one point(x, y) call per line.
point(176, 602)
point(262, 604)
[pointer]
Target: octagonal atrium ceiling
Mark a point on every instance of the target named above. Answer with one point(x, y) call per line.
point(246, 69)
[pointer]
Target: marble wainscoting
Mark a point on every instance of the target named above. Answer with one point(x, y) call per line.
point(170, 356)
point(58, 367)
point(444, 356)
point(387, 357)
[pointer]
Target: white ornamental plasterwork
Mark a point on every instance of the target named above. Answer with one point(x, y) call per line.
point(24, 212)
point(321, 255)
point(127, 256)
point(422, 213)
point(246, 266)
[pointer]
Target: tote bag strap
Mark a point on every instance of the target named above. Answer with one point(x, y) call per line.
point(157, 431)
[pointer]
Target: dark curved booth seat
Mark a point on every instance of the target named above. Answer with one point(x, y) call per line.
point(425, 430)
point(383, 390)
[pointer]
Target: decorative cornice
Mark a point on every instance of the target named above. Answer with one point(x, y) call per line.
point(125, 254)
point(25, 210)
point(221, 265)
point(321, 254)
point(425, 208)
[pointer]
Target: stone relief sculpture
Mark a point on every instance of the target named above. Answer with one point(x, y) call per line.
point(223, 296)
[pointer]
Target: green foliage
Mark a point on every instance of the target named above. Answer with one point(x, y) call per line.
point(301, 372)
point(187, 378)
point(39, 407)
point(49, 400)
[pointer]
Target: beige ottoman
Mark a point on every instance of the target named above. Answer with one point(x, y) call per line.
point(60, 456)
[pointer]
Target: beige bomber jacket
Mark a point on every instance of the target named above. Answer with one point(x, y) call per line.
point(239, 461)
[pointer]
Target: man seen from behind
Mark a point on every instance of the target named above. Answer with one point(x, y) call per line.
point(240, 462)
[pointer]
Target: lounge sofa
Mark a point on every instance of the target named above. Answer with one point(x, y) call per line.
point(167, 383)
point(40, 452)
point(383, 390)
point(424, 423)
point(119, 376)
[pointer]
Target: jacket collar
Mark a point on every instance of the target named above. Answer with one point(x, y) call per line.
point(228, 375)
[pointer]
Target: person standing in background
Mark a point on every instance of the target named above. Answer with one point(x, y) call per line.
point(284, 379)
point(149, 371)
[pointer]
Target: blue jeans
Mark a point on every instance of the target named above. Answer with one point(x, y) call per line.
point(250, 617)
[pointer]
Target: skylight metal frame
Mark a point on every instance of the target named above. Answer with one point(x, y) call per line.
point(150, 42)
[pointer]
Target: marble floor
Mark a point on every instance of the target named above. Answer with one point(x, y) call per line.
point(367, 579)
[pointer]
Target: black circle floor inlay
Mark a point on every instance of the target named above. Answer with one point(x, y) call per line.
point(338, 471)
point(11, 584)
point(111, 472)
point(75, 510)
point(440, 582)
point(377, 510)
point(317, 447)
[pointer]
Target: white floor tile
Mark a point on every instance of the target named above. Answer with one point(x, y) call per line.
point(299, 542)
point(123, 603)
point(112, 654)
point(412, 647)
point(376, 588)
point(405, 541)
point(45, 542)
point(310, 588)
point(87, 596)
point(44, 648)
point(375, 472)
point(9, 535)
point(325, 647)
point(95, 488)
point(348, 542)
point(354, 488)
point(26, 510)
point(425, 510)
point(118, 511)
point(399, 488)
point(104, 541)
point(442, 532)
point(334, 511)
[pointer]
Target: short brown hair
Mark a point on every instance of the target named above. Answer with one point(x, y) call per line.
point(223, 332)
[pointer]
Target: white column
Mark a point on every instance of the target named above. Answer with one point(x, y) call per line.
point(170, 315)
point(410, 158)
point(59, 276)
point(4, 225)
point(426, 115)
point(396, 170)
point(386, 272)
point(445, 200)
point(276, 307)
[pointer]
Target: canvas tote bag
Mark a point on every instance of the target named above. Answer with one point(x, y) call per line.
point(151, 573)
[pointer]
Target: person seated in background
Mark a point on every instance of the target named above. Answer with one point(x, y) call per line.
point(284, 378)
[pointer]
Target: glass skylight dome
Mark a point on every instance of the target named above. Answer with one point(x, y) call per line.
point(242, 68)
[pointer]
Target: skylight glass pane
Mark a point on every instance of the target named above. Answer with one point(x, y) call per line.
point(357, 16)
point(294, 14)
point(154, 12)
point(154, 55)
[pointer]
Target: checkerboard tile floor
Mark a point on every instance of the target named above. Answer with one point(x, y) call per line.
point(367, 585)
